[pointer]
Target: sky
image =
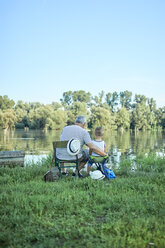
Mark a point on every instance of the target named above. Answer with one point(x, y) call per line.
point(48, 47)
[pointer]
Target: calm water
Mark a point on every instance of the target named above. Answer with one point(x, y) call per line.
point(37, 143)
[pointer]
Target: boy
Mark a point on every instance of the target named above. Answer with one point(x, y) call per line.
point(99, 132)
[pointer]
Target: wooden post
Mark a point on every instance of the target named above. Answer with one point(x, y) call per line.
point(12, 158)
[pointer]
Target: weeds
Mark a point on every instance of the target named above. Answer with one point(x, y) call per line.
point(125, 212)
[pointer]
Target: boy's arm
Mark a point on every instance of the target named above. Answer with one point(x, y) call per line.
point(90, 152)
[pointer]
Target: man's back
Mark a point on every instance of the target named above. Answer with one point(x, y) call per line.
point(69, 132)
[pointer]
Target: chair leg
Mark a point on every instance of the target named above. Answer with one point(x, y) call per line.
point(99, 167)
point(59, 168)
point(63, 169)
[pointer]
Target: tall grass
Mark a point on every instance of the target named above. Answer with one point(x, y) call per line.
point(125, 212)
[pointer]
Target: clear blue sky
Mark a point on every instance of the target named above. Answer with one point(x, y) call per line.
point(48, 47)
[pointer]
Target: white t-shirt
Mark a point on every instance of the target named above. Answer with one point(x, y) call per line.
point(69, 132)
point(100, 144)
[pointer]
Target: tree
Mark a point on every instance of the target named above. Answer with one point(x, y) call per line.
point(112, 100)
point(81, 96)
point(125, 99)
point(7, 119)
point(99, 99)
point(144, 114)
point(21, 114)
point(123, 118)
point(67, 100)
point(160, 117)
point(38, 117)
point(163, 118)
point(55, 105)
point(79, 108)
point(101, 117)
point(139, 117)
point(35, 105)
point(58, 120)
point(22, 105)
point(70, 117)
point(152, 104)
point(140, 99)
point(151, 118)
point(6, 103)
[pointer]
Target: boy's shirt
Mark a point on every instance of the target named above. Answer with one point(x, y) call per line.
point(100, 144)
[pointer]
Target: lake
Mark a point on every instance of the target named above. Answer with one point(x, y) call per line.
point(38, 144)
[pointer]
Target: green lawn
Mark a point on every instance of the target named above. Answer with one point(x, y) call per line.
point(128, 211)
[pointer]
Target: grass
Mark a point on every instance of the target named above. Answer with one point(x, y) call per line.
point(125, 212)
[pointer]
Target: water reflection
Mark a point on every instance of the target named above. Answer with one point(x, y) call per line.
point(119, 144)
point(32, 141)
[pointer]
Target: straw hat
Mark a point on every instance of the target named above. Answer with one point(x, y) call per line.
point(73, 147)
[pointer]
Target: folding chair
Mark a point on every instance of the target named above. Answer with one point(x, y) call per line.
point(98, 161)
point(60, 163)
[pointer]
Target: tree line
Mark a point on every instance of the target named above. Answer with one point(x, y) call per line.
point(110, 110)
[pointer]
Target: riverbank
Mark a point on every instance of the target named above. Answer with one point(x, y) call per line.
point(125, 212)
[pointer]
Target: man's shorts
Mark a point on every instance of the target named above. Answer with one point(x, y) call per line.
point(85, 156)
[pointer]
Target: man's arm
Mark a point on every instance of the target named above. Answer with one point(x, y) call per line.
point(90, 152)
point(96, 149)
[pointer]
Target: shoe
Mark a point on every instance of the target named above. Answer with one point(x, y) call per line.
point(79, 175)
point(64, 173)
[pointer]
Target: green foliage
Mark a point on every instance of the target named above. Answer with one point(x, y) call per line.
point(67, 98)
point(151, 163)
point(151, 118)
point(102, 117)
point(126, 166)
point(56, 105)
point(139, 117)
point(125, 212)
point(160, 117)
point(6, 103)
point(140, 99)
point(123, 118)
point(46, 117)
point(112, 100)
point(79, 108)
point(126, 99)
point(99, 99)
point(81, 96)
point(152, 104)
point(7, 119)
point(19, 125)
point(117, 109)
point(70, 117)
point(59, 119)
point(20, 114)
point(70, 97)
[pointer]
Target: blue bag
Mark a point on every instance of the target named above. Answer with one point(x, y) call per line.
point(108, 173)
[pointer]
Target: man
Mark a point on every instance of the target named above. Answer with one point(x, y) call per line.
point(77, 131)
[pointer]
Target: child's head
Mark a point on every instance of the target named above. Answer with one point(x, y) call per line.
point(99, 131)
